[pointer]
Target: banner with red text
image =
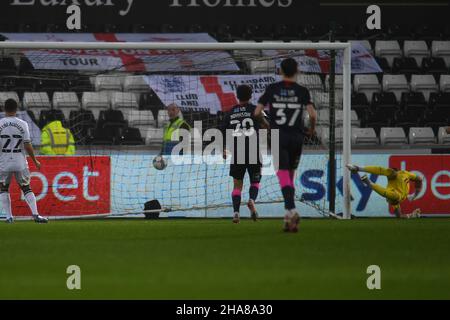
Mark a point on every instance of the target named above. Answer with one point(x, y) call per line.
point(434, 197)
point(318, 61)
point(125, 60)
point(67, 186)
point(214, 93)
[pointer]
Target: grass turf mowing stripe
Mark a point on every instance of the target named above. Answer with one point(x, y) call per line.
point(214, 259)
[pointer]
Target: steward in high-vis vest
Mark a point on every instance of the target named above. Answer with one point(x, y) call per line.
point(57, 140)
point(171, 135)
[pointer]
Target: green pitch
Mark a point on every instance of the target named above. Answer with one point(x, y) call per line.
point(214, 259)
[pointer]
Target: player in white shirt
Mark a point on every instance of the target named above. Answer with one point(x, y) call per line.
point(14, 141)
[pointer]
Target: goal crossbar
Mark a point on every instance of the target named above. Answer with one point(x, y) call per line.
point(201, 46)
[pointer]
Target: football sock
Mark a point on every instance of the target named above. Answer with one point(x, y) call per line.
point(254, 189)
point(6, 204)
point(287, 188)
point(236, 196)
point(31, 201)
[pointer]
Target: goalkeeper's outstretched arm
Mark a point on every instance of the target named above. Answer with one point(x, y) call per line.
point(418, 183)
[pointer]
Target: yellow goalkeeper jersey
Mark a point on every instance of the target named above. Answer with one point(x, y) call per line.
point(401, 183)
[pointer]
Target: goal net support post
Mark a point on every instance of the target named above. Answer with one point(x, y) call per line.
point(293, 46)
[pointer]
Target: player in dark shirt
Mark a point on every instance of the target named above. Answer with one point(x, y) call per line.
point(287, 101)
point(242, 129)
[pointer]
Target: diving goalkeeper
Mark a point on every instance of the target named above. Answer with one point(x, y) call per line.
point(397, 189)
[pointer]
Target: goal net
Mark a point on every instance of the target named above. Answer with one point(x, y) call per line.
point(114, 96)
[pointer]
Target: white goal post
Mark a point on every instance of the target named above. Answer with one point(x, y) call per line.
point(200, 46)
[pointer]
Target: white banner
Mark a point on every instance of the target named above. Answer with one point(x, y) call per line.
point(318, 61)
point(125, 60)
point(215, 93)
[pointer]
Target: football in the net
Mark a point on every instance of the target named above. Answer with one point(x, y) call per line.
point(159, 163)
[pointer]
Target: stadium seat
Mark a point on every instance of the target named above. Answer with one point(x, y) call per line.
point(360, 104)
point(111, 118)
point(105, 136)
point(7, 66)
point(427, 32)
point(324, 135)
point(163, 118)
point(239, 54)
point(311, 81)
point(344, 31)
point(383, 64)
point(124, 100)
point(441, 49)
point(339, 119)
point(413, 106)
point(8, 95)
point(154, 136)
point(323, 117)
point(444, 83)
point(136, 84)
point(338, 82)
point(440, 100)
point(66, 101)
point(261, 66)
point(130, 136)
point(22, 85)
point(139, 117)
point(316, 31)
point(413, 100)
point(226, 33)
point(322, 99)
point(286, 32)
point(417, 49)
point(25, 66)
point(393, 136)
point(388, 49)
point(367, 84)
point(380, 117)
point(51, 85)
point(364, 136)
point(434, 65)
point(384, 108)
point(108, 83)
point(81, 122)
point(95, 101)
point(399, 32)
point(421, 136)
point(438, 115)
point(405, 66)
point(396, 84)
point(258, 32)
point(425, 84)
point(385, 100)
point(80, 85)
point(36, 102)
point(443, 136)
point(46, 116)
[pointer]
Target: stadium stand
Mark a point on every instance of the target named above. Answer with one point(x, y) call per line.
point(408, 103)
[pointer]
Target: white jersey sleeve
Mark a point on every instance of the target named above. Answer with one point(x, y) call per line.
point(26, 135)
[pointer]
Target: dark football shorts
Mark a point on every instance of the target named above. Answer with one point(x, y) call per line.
point(237, 171)
point(291, 146)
